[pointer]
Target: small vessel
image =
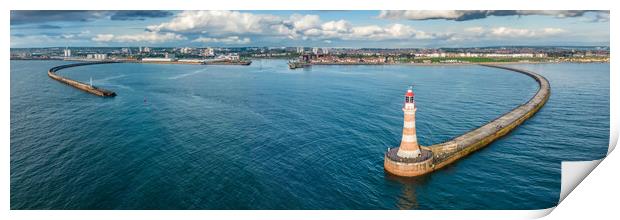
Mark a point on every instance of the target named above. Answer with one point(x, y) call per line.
point(228, 62)
point(294, 64)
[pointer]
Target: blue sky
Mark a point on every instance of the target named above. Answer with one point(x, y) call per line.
point(385, 29)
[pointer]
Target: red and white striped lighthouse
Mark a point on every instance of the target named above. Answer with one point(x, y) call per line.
point(410, 159)
point(409, 147)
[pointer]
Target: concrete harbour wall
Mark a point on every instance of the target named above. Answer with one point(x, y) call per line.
point(80, 85)
point(461, 146)
point(450, 151)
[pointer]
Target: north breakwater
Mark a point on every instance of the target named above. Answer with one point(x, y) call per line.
point(107, 93)
point(80, 85)
point(440, 155)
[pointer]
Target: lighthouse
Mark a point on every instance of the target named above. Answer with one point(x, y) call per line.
point(409, 159)
point(409, 147)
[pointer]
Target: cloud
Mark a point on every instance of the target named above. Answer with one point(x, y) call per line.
point(600, 17)
point(55, 35)
point(139, 15)
point(507, 32)
point(462, 15)
point(50, 38)
point(47, 26)
point(216, 22)
point(343, 30)
point(240, 27)
point(304, 22)
point(225, 40)
point(296, 26)
point(20, 17)
point(29, 17)
point(41, 26)
point(152, 37)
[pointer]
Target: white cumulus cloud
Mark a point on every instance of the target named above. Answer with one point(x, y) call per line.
point(153, 37)
point(218, 22)
point(227, 27)
point(508, 32)
point(224, 40)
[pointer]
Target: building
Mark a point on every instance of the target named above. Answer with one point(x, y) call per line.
point(157, 59)
point(540, 55)
point(230, 57)
point(208, 52)
point(191, 61)
point(315, 50)
point(169, 56)
point(67, 52)
point(300, 50)
point(97, 56)
point(146, 50)
point(186, 50)
point(325, 50)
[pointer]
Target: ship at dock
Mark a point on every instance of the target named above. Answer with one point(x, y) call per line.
point(227, 62)
point(302, 62)
point(294, 64)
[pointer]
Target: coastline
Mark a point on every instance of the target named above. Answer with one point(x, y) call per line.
point(312, 64)
point(448, 64)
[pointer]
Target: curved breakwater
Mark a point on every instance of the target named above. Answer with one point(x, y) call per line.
point(447, 152)
point(450, 151)
point(80, 85)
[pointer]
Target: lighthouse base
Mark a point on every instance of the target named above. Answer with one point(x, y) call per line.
point(408, 167)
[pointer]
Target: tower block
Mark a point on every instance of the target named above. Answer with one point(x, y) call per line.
point(409, 159)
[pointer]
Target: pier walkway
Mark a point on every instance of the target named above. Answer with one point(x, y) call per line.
point(80, 85)
point(459, 147)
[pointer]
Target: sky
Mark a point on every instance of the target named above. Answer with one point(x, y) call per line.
point(353, 29)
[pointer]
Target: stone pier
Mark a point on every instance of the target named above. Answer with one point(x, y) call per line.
point(439, 155)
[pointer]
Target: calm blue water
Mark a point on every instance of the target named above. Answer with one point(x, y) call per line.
point(266, 137)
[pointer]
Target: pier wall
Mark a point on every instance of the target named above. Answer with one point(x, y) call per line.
point(80, 85)
point(107, 93)
point(450, 151)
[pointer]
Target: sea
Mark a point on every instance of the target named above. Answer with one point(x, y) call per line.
point(267, 137)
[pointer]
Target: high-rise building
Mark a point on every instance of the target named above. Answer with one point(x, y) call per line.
point(300, 50)
point(67, 52)
point(325, 50)
point(208, 52)
point(315, 50)
point(186, 50)
point(97, 56)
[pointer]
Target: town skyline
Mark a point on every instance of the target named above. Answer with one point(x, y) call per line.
point(332, 29)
